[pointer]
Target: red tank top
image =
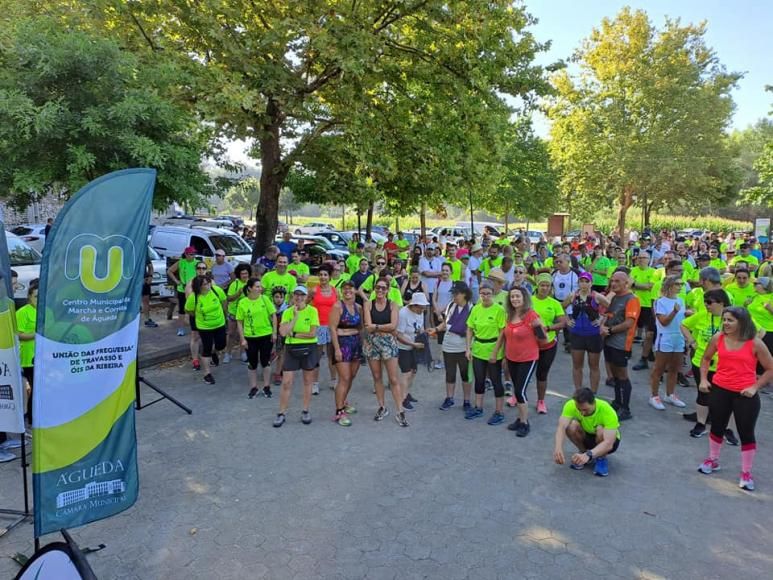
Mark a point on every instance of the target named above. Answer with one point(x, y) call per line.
point(736, 369)
point(324, 304)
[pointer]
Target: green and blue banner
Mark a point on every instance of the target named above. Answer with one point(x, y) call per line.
point(84, 444)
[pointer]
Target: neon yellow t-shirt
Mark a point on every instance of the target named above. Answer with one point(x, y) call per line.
point(235, 289)
point(488, 264)
point(702, 326)
point(719, 264)
point(26, 317)
point(353, 263)
point(208, 308)
point(256, 316)
point(643, 276)
point(603, 416)
point(274, 279)
point(739, 295)
point(456, 269)
point(549, 309)
point(307, 318)
point(760, 315)
point(487, 324)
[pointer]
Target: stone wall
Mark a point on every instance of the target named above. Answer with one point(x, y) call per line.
point(36, 213)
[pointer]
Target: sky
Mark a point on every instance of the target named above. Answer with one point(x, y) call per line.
point(739, 31)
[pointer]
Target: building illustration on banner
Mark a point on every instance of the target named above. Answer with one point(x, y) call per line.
point(91, 490)
point(6, 393)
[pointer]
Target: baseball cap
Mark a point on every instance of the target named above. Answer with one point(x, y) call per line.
point(219, 252)
point(586, 276)
point(189, 250)
point(300, 290)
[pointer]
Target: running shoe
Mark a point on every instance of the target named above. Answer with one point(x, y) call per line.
point(523, 430)
point(496, 418)
point(709, 466)
point(407, 405)
point(209, 379)
point(267, 392)
point(512, 401)
point(280, 420)
point(343, 419)
point(349, 408)
point(576, 467)
point(244, 357)
point(305, 417)
point(691, 417)
point(637, 339)
point(641, 365)
point(180, 332)
point(196, 364)
point(542, 409)
point(698, 431)
point(10, 444)
point(746, 482)
point(411, 399)
point(226, 358)
point(401, 420)
point(277, 379)
point(602, 467)
point(514, 425)
point(508, 388)
point(150, 323)
point(215, 359)
point(447, 404)
point(474, 413)
point(381, 414)
point(466, 406)
point(610, 382)
point(624, 415)
point(488, 384)
point(730, 438)
point(439, 364)
point(675, 401)
point(253, 391)
point(656, 403)
point(6, 456)
point(682, 380)
point(315, 389)
point(333, 384)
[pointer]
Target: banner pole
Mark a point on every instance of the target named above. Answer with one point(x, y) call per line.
point(24, 466)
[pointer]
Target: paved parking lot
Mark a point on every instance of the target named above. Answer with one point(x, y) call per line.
point(224, 495)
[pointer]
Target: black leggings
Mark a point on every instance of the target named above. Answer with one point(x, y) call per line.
point(545, 361)
point(259, 348)
point(723, 403)
point(454, 360)
point(703, 398)
point(520, 374)
point(29, 374)
point(210, 338)
point(493, 371)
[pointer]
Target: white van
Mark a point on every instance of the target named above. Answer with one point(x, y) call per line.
point(25, 261)
point(170, 241)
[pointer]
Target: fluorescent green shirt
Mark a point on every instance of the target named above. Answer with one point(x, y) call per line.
point(644, 275)
point(739, 295)
point(487, 324)
point(274, 279)
point(186, 271)
point(456, 269)
point(603, 416)
point(207, 308)
point(702, 326)
point(307, 318)
point(235, 289)
point(256, 316)
point(719, 264)
point(301, 269)
point(353, 263)
point(26, 317)
point(488, 264)
point(761, 315)
point(549, 310)
point(599, 271)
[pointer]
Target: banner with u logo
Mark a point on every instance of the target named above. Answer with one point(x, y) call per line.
point(84, 444)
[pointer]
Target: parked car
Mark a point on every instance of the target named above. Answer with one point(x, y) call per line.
point(25, 261)
point(376, 236)
point(335, 252)
point(312, 229)
point(159, 286)
point(235, 220)
point(536, 237)
point(170, 241)
point(381, 230)
point(33, 234)
point(336, 238)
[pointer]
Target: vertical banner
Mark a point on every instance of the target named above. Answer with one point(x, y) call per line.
point(84, 446)
point(11, 391)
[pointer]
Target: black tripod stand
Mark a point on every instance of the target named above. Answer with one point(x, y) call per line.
point(164, 395)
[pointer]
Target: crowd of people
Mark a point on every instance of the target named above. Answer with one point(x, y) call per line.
point(697, 309)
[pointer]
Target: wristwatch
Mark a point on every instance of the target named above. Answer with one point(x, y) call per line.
point(589, 453)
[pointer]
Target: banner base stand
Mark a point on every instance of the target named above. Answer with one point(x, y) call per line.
point(58, 560)
point(20, 515)
point(164, 395)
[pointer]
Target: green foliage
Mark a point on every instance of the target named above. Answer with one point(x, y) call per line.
point(606, 222)
point(644, 120)
point(754, 147)
point(74, 106)
point(243, 196)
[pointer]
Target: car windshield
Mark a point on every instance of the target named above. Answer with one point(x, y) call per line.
point(22, 230)
point(231, 245)
point(21, 254)
point(153, 254)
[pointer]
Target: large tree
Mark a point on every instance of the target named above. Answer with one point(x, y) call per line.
point(643, 119)
point(286, 73)
point(74, 106)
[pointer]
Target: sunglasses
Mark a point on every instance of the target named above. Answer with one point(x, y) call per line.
point(381, 287)
point(520, 271)
point(201, 267)
point(380, 263)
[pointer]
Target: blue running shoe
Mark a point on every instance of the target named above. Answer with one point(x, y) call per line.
point(602, 467)
point(447, 404)
point(496, 418)
point(466, 406)
point(408, 406)
point(576, 467)
point(473, 413)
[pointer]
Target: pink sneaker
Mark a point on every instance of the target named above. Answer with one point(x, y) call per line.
point(709, 466)
point(512, 401)
point(746, 482)
point(542, 408)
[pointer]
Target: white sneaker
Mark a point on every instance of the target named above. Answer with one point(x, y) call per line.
point(244, 357)
point(10, 444)
point(315, 389)
point(333, 384)
point(675, 401)
point(439, 364)
point(226, 358)
point(656, 403)
point(6, 456)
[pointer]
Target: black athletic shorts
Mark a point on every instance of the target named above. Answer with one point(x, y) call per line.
point(590, 442)
point(145, 289)
point(592, 343)
point(181, 302)
point(646, 320)
point(301, 357)
point(616, 356)
point(406, 360)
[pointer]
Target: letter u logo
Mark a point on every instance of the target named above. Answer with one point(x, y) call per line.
point(88, 269)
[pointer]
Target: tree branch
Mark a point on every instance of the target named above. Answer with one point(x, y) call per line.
point(152, 46)
point(389, 20)
point(327, 75)
point(307, 139)
point(425, 56)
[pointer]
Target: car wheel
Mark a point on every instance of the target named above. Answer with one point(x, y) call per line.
point(298, 232)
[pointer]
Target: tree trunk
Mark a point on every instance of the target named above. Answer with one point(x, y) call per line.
point(359, 222)
point(648, 213)
point(272, 178)
point(423, 220)
point(369, 224)
point(343, 218)
point(626, 201)
point(507, 211)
